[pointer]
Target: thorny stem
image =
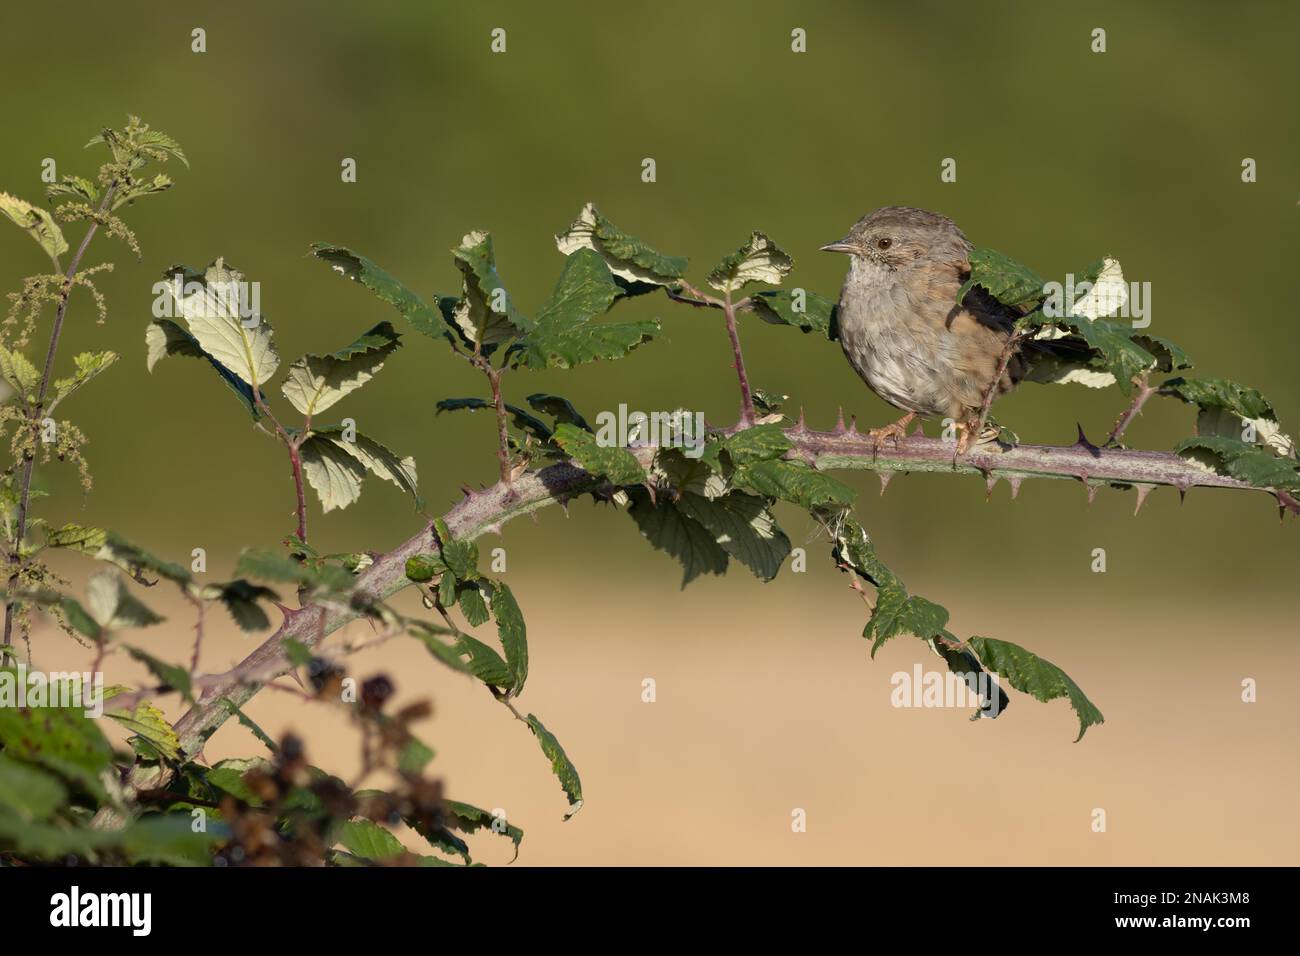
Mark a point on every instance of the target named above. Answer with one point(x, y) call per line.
point(503, 430)
point(746, 399)
point(25, 492)
point(1144, 392)
point(295, 460)
point(487, 510)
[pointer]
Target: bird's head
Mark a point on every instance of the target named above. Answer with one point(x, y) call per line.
point(897, 236)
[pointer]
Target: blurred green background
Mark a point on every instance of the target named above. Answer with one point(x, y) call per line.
point(1062, 154)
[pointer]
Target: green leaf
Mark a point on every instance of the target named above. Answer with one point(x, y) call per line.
point(431, 320)
point(757, 443)
point(62, 740)
point(333, 472)
point(21, 375)
point(560, 409)
point(147, 721)
point(370, 841)
point(896, 612)
point(38, 222)
point(165, 337)
point(88, 365)
point(792, 481)
point(170, 840)
point(617, 464)
point(75, 537)
point(75, 187)
point(137, 562)
point(561, 766)
point(315, 382)
point(1032, 675)
point(28, 792)
point(1226, 407)
point(561, 336)
point(1010, 282)
point(248, 723)
point(513, 634)
point(485, 315)
point(468, 818)
point(472, 605)
point(522, 420)
point(743, 526)
point(170, 677)
point(240, 599)
point(113, 607)
point(484, 663)
point(1242, 461)
point(373, 457)
point(759, 260)
point(624, 255)
point(424, 567)
point(670, 529)
point(803, 310)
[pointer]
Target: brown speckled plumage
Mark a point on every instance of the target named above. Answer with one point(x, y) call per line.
point(900, 324)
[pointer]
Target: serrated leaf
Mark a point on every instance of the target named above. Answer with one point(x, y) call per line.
point(76, 537)
point(1242, 461)
point(743, 526)
point(424, 567)
point(315, 382)
point(484, 663)
point(897, 612)
point(370, 841)
point(88, 365)
point(797, 307)
point(147, 721)
point(521, 419)
point(468, 818)
point(170, 676)
point(38, 222)
point(1030, 674)
point(757, 443)
point(560, 409)
point(513, 634)
point(215, 308)
point(113, 607)
point(561, 766)
point(670, 529)
point(373, 457)
point(758, 260)
point(62, 740)
point(485, 315)
point(165, 337)
point(1248, 405)
point(21, 375)
point(270, 566)
point(792, 481)
point(472, 605)
point(248, 723)
point(429, 319)
point(624, 255)
point(1010, 282)
point(240, 599)
point(617, 464)
point(75, 187)
point(137, 562)
point(333, 473)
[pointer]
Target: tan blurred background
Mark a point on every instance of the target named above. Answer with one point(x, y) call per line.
point(766, 698)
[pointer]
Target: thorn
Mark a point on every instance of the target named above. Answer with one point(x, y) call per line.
point(467, 491)
point(1083, 442)
point(1014, 482)
point(839, 421)
point(1182, 491)
point(885, 478)
point(1142, 492)
point(297, 679)
point(990, 481)
point(802, 427)
point(853, 426)
point(1092, 489)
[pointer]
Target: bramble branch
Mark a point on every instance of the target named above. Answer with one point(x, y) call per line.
point(488, 510)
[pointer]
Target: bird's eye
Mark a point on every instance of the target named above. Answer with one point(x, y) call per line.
point(884, 243)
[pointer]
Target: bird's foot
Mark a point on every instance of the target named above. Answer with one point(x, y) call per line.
point(895, 431)
point(966, 434)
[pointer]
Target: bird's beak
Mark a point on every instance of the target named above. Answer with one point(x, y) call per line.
point(843, 245)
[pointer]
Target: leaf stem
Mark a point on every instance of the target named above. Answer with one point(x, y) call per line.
point(746, 398)
point(1144, 392)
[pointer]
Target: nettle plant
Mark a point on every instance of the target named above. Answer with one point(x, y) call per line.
point(706, 499)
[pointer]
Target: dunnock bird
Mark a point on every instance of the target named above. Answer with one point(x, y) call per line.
point(904, 331)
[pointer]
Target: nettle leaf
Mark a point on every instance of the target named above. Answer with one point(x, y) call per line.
point(626, 256)
point(759, 260)
point(670, 529)
point(170, 676)
point(148, 722)
point(165, 337)
point(804, 310)
point(38, 222)
point(562, 335)
point(75, 187)
point(19, 372)
point(431, 319)
point(561, 766)
point(217, 310)
point(1242, 461)
point(75, 537)
point(742, 526)
point(617, 464)
point(485, 315)
point(1010, 282)
point(792, 481)
point(113, 607)
point(141, 188)
point(88, 365)
point(334, 467)
point(1221, 400)
point(1029, 673)
point(315, 382)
